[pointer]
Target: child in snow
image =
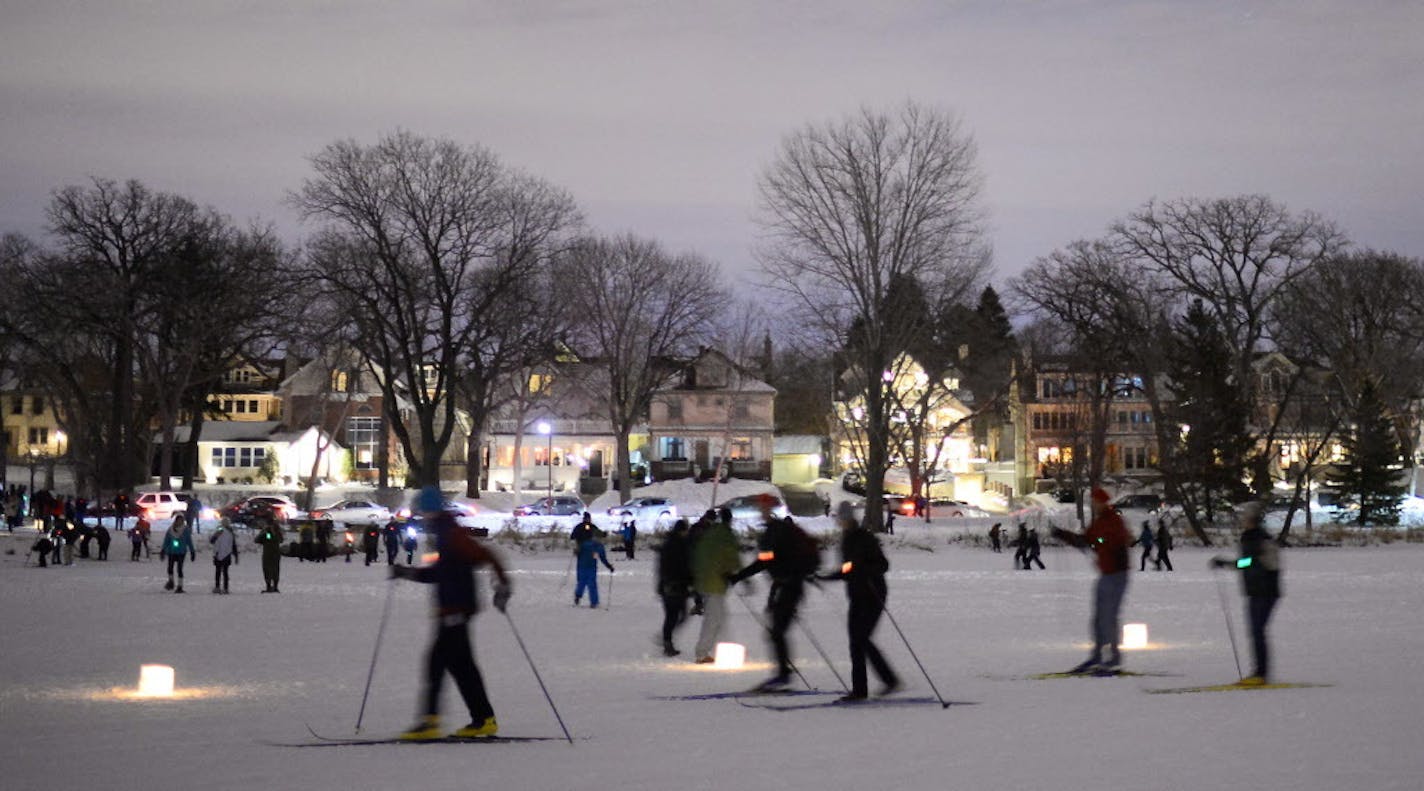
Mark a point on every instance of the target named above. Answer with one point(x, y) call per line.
point(590, 554)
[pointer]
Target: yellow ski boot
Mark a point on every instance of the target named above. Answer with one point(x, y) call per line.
point(477, 730)
point(426, 730)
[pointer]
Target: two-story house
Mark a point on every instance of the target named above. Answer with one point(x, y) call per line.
point(713, 415)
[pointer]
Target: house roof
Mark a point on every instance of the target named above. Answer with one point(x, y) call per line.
point(797, 444)
point(231, 431)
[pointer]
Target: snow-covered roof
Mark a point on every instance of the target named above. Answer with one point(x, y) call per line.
point(797, 444)
point(230, 431)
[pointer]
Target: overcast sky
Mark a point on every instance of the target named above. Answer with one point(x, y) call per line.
point(658, 116)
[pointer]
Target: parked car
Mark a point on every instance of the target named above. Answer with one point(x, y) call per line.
point(748, 508)
point(464, 515)
point(244, 511)
point(647, 511)
point(558, 505)
point(1138, 502)
point(159, 505)
point(354, 512)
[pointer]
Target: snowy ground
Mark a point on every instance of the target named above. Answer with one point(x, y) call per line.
point(257, 667)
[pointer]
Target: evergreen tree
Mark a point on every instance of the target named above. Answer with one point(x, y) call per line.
point(1370, 470)
point(1211, 457)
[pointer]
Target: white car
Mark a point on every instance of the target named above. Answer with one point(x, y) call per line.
point(160, 505)
point(748, 508)
point(646, 511)
point(354, 512)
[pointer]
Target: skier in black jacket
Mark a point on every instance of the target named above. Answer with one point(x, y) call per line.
point(863, 567)
point(790, 556)
point(459, 554)
point(674, 581)
point(1260, 564)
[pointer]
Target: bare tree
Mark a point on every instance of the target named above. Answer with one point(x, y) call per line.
point(636, 308)
point(418, 244)
point(854, 205)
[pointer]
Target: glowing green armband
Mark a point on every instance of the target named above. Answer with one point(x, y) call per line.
point(1243, 563)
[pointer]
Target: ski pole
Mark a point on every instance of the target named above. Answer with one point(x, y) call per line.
point(765, 628)
point(817, 644)
point(380, 633)
point(942, 702)
point(609, 605)
point(565, 581)
point(1230, 631)
point(530, 659)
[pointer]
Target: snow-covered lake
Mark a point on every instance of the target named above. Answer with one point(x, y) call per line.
point(257, 667)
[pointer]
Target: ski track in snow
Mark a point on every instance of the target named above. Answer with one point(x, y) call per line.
point(261, 665)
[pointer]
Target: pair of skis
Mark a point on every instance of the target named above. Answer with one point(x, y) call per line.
point(318, 740)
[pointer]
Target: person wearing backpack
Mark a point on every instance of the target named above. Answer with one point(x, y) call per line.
point(177, 544)
point(789, 555)
point(224, 554)
point(863, 567)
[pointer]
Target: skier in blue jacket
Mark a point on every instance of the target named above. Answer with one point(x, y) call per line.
point(590, 554)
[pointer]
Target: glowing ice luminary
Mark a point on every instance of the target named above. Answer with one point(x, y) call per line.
point(1134, 635)
point(730, 656)
point(155, 681)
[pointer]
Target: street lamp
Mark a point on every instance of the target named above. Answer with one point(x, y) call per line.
point(547, 430)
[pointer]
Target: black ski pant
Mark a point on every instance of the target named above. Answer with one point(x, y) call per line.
point(271, 568)
point(176, 560)
point(864, 614)
point(1163, 560)
point(1258, 614)
point(785, 599)
point(371, 553)
point(391, 549)
point(136, 547)
point(1032, 558)
point(220, 578)
point(1146, 556)
point(451, 653)
point(674, 613)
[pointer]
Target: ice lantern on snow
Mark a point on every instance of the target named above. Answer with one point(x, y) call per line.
point(155, 681)
point(1134, 635)
point(730, 656)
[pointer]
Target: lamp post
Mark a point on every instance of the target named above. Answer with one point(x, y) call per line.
point(547, 430)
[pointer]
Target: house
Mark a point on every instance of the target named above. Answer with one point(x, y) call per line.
point(554, 433)
point(248, 391)
point(713, 414)
point(339, 394)
point(262, 451)
point(797, 458)
point(929, 428)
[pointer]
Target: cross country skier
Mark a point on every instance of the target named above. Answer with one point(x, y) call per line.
point(1145, 539)
point(459, 554)
point(789, 555)
point(863, 567)
point(1107, 536)
point(1260, 564)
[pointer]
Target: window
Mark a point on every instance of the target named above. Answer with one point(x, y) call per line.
point(741, 410)
point(36, 405)
point(17, 405)
point(39, 436)
point(252, 406)
point(740, 449)
point(363, 436)
point(242, 407)
point(674, 409)
point(672, 448)
point(238, 457)
point(339, 381)
point(538, 383)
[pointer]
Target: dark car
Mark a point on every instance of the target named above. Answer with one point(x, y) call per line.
point(244, 511)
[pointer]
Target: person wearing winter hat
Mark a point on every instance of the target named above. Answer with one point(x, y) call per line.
point(178, 544)
point(1109, 539)
point(224, 554)
point(1260, 565)
point(453, 578)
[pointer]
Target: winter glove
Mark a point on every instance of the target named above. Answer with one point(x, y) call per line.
point(1221, 563)
point(501, 597)
point(610, 568)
